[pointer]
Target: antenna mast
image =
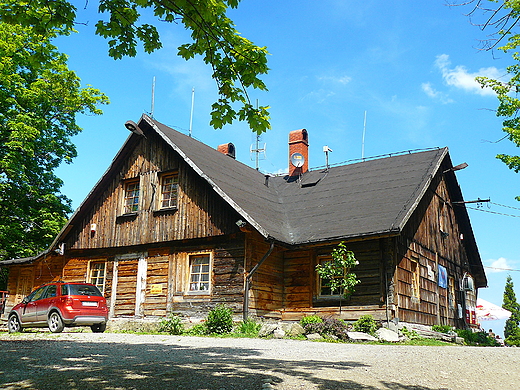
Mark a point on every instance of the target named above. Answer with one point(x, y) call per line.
point(363, 141)
point(153, 97)
point(191, 113)
point(257, 150)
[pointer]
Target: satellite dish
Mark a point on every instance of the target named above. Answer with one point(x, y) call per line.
point(297, 160)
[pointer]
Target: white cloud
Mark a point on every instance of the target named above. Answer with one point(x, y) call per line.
point(433, 93)
point(459, 77)
point(337, 80)
point(499, 265)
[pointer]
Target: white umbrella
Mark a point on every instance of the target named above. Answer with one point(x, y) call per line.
point(489, 311)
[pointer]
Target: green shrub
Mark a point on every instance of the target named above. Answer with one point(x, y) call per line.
point(197, 330)
point(172, 325)
point(442, 328)
point(411, 334)
point(477, 338)
point(219, 320)
point(249, 328)
point(328, 327)
point(366, 324)
point(514, 338)
point(314, 319)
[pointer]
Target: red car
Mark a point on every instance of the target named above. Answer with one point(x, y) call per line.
point(57, 305)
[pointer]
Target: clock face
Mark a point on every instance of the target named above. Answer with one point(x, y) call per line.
point(297, 160)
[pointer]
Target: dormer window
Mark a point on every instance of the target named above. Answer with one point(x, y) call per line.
point(169, 187)
point(131, 202)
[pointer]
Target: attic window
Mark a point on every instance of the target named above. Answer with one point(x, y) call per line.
point(131, 204)
point(169, 191)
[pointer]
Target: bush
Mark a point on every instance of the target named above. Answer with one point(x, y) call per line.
point(366, 324)
point(219, 320)
point(311, 320)
point(249, 328)
point(514, 338)
point(442, 328)
point(172, 325)
point(477, 338)
point(197, 330)
point(329, 327)
point(410, 334)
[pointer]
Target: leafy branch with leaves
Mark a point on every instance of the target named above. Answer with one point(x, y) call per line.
point(503, 16)
point(337, 271)
point(236, 62)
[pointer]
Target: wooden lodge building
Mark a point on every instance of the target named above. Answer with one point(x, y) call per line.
point(174, 226)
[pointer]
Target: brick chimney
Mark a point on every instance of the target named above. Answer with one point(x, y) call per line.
point(227, 149)
point(298, 152)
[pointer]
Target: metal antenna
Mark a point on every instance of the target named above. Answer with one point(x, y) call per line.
point(153, 97)
point(257, 150)
point(191, 113)
point(363, 142)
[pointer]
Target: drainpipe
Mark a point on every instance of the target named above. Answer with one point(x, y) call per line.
point(245, 310)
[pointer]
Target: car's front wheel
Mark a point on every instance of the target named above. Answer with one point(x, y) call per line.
point(14, 324)
point(55, 322)
point(98, 328)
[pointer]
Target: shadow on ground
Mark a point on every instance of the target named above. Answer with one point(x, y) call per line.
point(59, 364)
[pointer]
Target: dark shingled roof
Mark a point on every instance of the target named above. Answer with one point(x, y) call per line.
point(370, 198)
point(362, 199)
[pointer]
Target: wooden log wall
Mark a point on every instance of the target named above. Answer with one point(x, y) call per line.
point(200, 212)
point(300, 280)
point(431, 238)
point(267, 287)
point(167, 278)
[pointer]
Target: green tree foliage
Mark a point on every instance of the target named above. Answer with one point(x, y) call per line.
point(510, 303)
point(503, 16)
point(236, 62)
point(39, 100)
point(337, 272)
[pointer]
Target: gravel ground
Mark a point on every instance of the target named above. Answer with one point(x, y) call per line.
point(41, 360)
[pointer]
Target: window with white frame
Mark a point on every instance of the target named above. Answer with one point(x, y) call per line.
point(131, 204)
point(200, 273)
point(169, 187)
point(97, 273)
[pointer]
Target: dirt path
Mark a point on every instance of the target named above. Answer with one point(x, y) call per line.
point(127, 361)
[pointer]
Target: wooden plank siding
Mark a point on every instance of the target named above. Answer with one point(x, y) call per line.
point(431, 238)
point(267, 287)
point(199, 212)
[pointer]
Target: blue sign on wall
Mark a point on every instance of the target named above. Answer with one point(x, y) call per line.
point(443, 276)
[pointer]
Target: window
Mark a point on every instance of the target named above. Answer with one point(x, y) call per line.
point(168, 198)
point(131, 197)
point(451, 292)
point(51, 292)
point(200, 272)
point(324, 289)
point(97, 275)
point(37, 294)
point(415, 269)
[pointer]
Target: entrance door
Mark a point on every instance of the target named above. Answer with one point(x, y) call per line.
point(126, 288)
point(128, 285)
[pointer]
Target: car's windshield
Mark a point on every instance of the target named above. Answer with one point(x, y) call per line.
point(81, 289)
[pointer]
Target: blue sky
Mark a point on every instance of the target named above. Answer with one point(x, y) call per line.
point(409, 65)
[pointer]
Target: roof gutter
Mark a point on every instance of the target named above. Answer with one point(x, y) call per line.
point(245, 310)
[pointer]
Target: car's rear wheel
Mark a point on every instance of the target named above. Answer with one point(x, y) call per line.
point(14, 324)
point(98, 328)
point(55, 322)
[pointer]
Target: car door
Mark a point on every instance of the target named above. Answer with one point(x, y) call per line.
point(45, 302)
point(30, 311)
